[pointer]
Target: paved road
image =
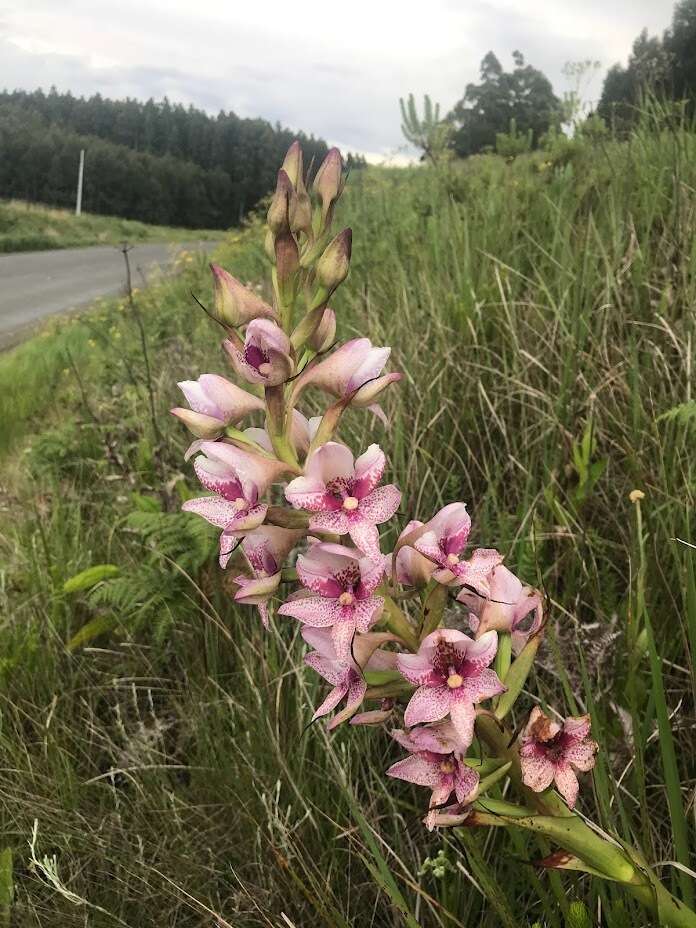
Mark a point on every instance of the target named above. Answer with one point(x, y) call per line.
point(40, 283)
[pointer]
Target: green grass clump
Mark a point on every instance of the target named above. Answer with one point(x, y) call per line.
point(543, 314)
point(33, 227)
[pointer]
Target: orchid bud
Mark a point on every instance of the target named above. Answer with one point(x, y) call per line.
point(277, 216)
point(292, 165)
point(198, 423)
point(234, 303)
point(323, 336)
point(287, 256)
point(328, 183)
point(332, 267)
point(300, 212)
point(269, 246)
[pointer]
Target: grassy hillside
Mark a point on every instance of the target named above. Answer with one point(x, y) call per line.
point(32, 227)
point(155, 738)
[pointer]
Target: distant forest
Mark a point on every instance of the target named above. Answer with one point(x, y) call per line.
point(159, 162)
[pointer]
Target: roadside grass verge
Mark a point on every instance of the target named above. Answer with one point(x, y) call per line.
point(34, 227)
point(543, 314)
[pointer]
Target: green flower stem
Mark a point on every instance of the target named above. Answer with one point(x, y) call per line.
point(503, 655)
point(278, 427)
point(397, 622)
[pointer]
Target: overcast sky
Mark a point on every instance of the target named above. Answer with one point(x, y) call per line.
point(332, 68)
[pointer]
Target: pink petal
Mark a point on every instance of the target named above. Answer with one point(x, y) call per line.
point(381, 504)
point(367, 394)
point(567, 784)
point(313, 610)
point(483, 685)
point(342, 635)
point(251, 468)
point(332, 373)
point(581, 756)
point(428, 704)
point(370, 367)
point(356, 694)
point(416, 769)
point(199, 400)
point(466, 783)
point(537, 772)
point(231, 400)
point(214, 509)
point(330, 461)
point(200, 425)
point(416, 668)
point(218, 478)
point(369, 468)
point(371, 573)
point(364, 534)
point(577, 728)
point(331, 701)
point(334, 522)
point(367, 611)
point(481, 653)
point(463, 718)
point(330, 670)
point(308, 493)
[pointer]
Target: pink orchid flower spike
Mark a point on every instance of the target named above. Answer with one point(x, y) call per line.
point(452, 674)
point(265, 550)
point(265, 355)
point(354, 370)
point(215, 403)
point(437, 761)
point(442, 541)
point(504, 603)
point(341, 582)
point(238, 479)
point(346, 678)
point(343, 495)
point(551, 752)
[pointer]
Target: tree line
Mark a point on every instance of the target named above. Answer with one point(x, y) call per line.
point(159, 162)
point(519, 107)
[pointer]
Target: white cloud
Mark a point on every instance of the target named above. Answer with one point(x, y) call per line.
point(333, 69)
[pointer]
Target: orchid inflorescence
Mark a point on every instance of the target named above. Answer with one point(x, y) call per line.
point(375, 622)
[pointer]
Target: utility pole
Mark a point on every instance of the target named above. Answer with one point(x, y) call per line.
point(78, 204)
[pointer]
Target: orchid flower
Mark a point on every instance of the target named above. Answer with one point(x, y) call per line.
point(341, 582)
point(442, 541)
point(265, 355)
point(238, 479)
point(265, 549)
point(452, 674)
point(436, 761)
point(551, 752)
point(215, 403)
point(346, 677)
point(353, 370)
point(343, 496)
point(503, 603)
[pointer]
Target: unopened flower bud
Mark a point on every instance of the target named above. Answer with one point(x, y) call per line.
point(332, 267)
point(292, 165)
point(278, 212)
point(300, 212)
point(323, 336)
point(287, 257)
point(328, 183)
point(235, 304)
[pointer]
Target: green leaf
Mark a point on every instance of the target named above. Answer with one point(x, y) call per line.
point(90, 577)
point(146, 503)
point(6, 882)
point(94, 628)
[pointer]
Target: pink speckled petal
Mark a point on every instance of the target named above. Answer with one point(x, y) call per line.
point(581, 756)
point(369, 468)
point(308, 493)
point(537, 772)
point(428, 704)
point(213, 509)
point(331, 701)
point(577, 727)
point(481, 653)
point(416, 769)
point(381, 504)
point(466, 783)
point(342, 635)
point(364, 534)
point(567, 783)
point(313, 610)
point(416, 668)
point(483, 685)
point(356, 694)
point(330, 670)
point(334, 522)
point(463, 717)
point(367, 611)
